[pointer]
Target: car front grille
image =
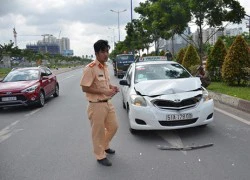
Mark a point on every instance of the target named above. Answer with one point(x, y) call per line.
point(179, 122)
point(174, 105)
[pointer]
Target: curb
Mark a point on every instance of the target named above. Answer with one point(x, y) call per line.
point(234, 102)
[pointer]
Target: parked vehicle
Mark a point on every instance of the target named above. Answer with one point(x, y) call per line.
point(121, 64)
point(163, 95)
point(28, 86)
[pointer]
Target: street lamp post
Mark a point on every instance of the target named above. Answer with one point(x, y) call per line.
point(131, 10)
point(113, 36)
point(118, 13)
point(248, 25)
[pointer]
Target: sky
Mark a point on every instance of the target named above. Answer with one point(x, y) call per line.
point(82, 21)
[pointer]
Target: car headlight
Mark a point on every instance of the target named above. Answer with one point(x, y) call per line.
point(205, 95)
point(138, 100)
point(30, 89)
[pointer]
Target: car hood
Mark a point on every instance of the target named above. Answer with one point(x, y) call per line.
point(16, 86)
point(170, 86)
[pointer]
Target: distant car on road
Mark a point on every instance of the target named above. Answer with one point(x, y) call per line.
point(163, 95)
point(121, 64)
point(28, 86)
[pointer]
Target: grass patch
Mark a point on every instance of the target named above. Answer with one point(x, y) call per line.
point(240, 92)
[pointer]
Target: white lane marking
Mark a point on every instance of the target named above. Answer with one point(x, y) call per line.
point(32, 112)
point(233, 116)
point(67, 78)
point(8, 131)
point(172, 138)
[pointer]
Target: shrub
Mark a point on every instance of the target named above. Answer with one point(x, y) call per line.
point(237, 59)
point(191, 57)
point(215, 60)
point(180, 55)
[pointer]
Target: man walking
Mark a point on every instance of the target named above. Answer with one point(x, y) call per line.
point(95, 83)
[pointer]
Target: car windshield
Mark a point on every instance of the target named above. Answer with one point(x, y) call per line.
point(125, 59)
point(22, 75)
point(160, 72)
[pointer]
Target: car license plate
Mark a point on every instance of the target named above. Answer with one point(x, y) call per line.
point(13, 98)
point(173, 117)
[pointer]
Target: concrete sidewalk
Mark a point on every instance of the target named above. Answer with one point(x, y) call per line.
point(234, 102)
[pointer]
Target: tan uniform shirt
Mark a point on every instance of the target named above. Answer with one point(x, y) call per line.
point(97, 76)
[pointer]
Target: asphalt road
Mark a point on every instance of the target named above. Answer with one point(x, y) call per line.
point(54, 143)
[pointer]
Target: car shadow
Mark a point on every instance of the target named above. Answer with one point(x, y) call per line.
point(16, 109)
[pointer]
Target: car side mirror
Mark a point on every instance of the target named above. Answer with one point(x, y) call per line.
point(124, 83)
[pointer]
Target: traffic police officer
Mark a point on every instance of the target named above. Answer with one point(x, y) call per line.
point(95, 82)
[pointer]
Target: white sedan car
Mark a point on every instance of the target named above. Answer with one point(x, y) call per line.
point(163, 95)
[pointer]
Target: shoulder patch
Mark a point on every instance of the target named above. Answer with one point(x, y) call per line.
point(92, 64)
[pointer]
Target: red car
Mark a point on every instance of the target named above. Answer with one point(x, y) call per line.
point(28, 86)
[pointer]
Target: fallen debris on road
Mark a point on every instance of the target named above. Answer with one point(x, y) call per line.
point(187, 148)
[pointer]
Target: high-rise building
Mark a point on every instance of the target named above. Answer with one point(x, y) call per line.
point(64, 44)
point(175, 43)
point(52, 45)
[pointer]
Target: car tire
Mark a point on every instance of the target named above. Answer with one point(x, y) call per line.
point(133, 131)
point(56, 93)
point(41, 100)
point(123, 105)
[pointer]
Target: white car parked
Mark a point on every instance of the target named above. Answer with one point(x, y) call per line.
point(162, 95)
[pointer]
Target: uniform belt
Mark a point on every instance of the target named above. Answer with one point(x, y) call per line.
point(105, 100)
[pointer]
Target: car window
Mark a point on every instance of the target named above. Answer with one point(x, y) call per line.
point(43, 71)
point(48, 72)
point(159, 72)
point(22, 75)
point(128, 71)
point(129, 74)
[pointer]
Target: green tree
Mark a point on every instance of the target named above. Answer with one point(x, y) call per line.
point(138, 37)
point(29, 55)
point(237, 59)
point(228, 40)
point(165, 18)
point(191, 58)
point(215, 60)
point(147, 18)
point(213, 13)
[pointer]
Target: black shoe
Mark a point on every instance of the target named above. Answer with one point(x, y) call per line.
point(104, 162)
point(110, 151)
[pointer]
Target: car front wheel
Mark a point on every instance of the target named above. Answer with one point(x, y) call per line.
point(56, 93)
point(133, 131)
point(41, 100)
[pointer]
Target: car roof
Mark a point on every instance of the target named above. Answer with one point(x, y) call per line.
point(124, 54)
point(155, 62)
point(28, 68)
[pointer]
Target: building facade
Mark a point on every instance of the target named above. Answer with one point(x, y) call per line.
point(52, 45)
